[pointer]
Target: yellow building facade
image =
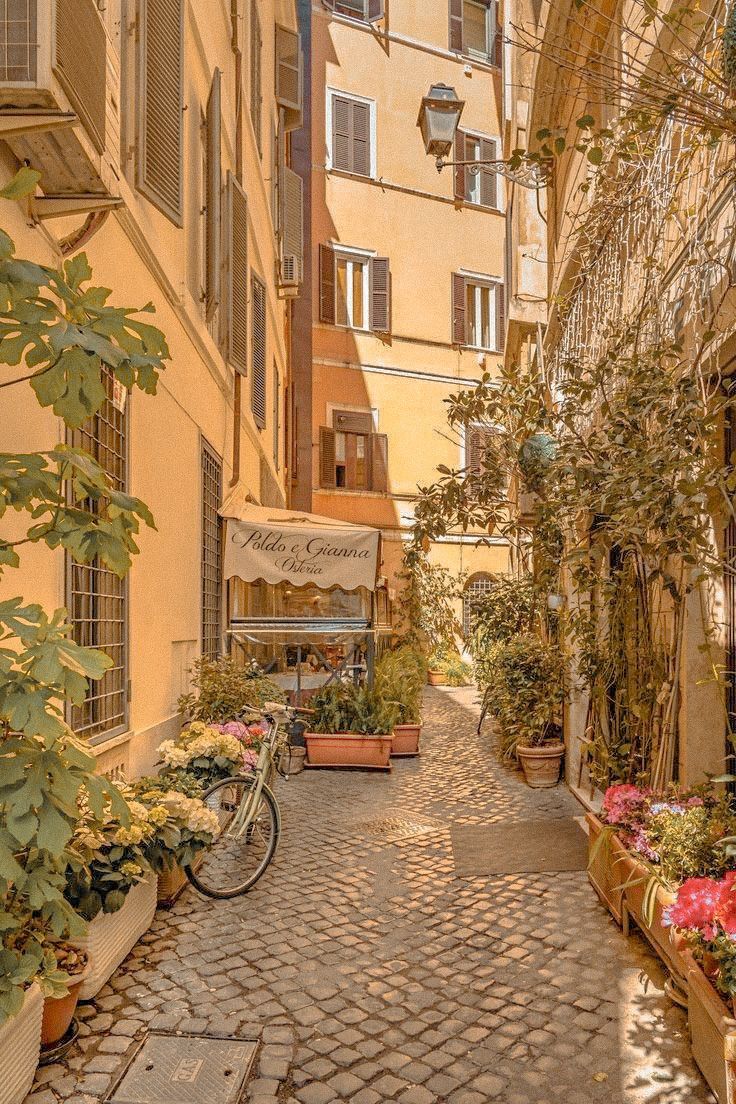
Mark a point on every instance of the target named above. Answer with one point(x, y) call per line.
point(161, 129)
point(404, 296)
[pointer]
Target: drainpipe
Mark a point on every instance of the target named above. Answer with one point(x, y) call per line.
point(235, 45)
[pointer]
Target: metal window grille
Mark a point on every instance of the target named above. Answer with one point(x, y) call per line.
point(18, 45)
point(96, 598)
point(476, 588)
point(211, 552)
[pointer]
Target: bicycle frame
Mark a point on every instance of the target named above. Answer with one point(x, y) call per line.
point(248, 809)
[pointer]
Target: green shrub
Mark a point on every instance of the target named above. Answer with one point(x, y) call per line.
point(525, 691)
point(687, 841)
point(342, 707)
point(225, 688)
point(400, 678)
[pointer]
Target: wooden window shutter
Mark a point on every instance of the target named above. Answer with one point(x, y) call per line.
point(292, 215)
point(379, 462)
point(326, 284)
point(456, 26)
point(375, 10)
point(497, 47)
point(488, 178)
point(460, 174)
point(500, 317)
point(459, 320)
point(342, 134)
point(352, 421)
point(475, 442)
point(258, 351)
point(256, 84)
point(213, 197)
point(276, 417)
point(161, 105)
point(237, 276)
point(80, 59)
point(361, 144)
point(327, 457)
point(288, 69)
point(380, 291)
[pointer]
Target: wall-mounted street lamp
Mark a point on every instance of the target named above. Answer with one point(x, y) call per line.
point(439, 118)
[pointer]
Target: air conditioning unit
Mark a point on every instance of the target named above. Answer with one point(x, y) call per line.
point(59, 91)
point(290, 276)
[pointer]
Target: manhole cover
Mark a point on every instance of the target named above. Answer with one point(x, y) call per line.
point(186, 1069)
point(396, 825)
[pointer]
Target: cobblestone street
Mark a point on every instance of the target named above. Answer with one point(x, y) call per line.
point(374, 973)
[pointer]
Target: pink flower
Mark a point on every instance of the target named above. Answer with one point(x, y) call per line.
point(700, 904)
point(625, 805)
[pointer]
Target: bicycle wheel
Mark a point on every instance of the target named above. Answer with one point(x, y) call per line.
point(237, 858)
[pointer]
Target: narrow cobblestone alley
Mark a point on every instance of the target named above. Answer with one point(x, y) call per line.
point(374, 973)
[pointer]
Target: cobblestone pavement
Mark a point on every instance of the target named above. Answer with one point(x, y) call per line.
point(373, 973)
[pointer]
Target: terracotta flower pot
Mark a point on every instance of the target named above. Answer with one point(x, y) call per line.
point(406, 739)
point(541, 765)
point(348, 749)
point(435, 678)
point(58, 1013)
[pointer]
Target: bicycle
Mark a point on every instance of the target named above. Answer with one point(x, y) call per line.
point(250, 821)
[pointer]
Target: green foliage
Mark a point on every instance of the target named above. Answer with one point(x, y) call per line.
point(689, 842)
point(728, 46)
point(400, 678)
point(525, 692)
point(225, 689)
point(427, 605)
point(61, 328)
point(343, 707)
point(507, 610)
point(183, 826)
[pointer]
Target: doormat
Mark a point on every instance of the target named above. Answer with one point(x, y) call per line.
point(525, 847)
point(186, 1069)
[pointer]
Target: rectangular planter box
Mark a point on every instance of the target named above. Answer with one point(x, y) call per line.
point(20, 1046)
point(172, 883)
point(348, 749)
point(613, 867)
point(712, 1032)
point(405, 740)
point(111, 936)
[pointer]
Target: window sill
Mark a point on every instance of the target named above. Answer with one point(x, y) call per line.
point(347, 492)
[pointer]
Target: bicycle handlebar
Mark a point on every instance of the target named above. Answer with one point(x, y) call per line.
point(281, 707)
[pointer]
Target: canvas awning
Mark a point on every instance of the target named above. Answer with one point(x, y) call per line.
point(292, 546)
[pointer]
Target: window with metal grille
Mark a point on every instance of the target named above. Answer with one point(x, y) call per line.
point(477, 586)
point(211, 552)
point(96, 598)
point(18, 39)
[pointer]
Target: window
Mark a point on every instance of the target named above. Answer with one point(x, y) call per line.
point(237, 277)
point(213, 196)
point(276, 417)
point(96, 598)
point(256, 82)
point(477, 440)
point(476, 587)
point(352, 456)
point(367, 11)
point(479, 186)
point(355, 289)
point(478, 312)
point(161, 105)
point(474, 29)
point(258, 351)
point(211, 552)
point(351, 126)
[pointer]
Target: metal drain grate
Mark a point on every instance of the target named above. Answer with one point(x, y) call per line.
point(397, 825)
point(186, 1069)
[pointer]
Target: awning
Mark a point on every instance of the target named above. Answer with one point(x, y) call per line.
point(291, 546)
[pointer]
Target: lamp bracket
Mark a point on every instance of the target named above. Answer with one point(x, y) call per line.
point(530, 177)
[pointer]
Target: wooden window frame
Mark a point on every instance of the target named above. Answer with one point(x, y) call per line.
point(258, 357)
point(332, 94)
point(173, 211)
point(493, 54)
point(375, 446)
point(488, 149)
point(256, 76)
point(377, 288)
point(462, 318)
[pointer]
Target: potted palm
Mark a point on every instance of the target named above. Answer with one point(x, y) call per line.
point(352, 727)
point(525, 693)
point(400, 676)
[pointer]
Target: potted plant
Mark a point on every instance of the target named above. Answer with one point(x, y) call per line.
point(352, 727)
point(21, 1002)
point(400, 675)
point(110, 884)
point(206, 752)
point(61, 986)
point(224, 689)
point(525, 694)
point(436, 664)
point(184, 827)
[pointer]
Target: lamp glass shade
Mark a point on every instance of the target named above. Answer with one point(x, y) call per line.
point(439, 117)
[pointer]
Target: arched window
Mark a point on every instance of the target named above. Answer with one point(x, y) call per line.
point(476, 586)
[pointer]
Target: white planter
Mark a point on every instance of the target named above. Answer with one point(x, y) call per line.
point(111, 936)
point(20, 1047)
